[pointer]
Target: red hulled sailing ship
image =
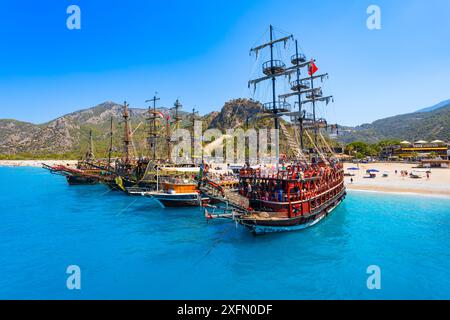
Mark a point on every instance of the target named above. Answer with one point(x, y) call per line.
point(294, 196)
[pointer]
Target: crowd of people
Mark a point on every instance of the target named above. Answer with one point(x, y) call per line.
point(268, 184)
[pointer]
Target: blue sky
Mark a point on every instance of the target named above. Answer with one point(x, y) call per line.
point(198, 51)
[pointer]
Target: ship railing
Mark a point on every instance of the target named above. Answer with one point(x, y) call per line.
point(297, 59)
point(315, 193)
point(273, 67)
point(298, 85)
point(316, 93)
point(280, 106)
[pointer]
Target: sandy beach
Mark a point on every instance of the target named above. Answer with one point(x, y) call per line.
point(438, 184)
point(35, 163)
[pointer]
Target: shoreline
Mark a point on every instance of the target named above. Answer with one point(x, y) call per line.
point(401, 192)
point(35, 163)
point(437, 186)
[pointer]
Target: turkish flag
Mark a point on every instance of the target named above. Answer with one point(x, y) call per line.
point(312, 68)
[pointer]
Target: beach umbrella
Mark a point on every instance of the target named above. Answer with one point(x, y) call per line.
point(353, 168)
point(373, 170)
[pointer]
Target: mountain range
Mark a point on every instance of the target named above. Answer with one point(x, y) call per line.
point(67, 136)
point(425, 124)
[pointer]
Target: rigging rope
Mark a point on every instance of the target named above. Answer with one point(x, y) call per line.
point(326, 144)
point(317, 148)
point(136, 128)
point(132, 142)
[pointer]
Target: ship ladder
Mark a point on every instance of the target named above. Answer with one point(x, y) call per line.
point(292, 144)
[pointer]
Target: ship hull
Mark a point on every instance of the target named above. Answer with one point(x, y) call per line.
point(260, 227)
point(167, 200)
point(114, 186)
point(80, 180)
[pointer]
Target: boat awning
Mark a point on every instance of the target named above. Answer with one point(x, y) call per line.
point(180, 169)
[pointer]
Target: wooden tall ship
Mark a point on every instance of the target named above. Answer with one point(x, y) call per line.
point(87, 171)
point(124, 171)
point(292, 196)
point(175, 184)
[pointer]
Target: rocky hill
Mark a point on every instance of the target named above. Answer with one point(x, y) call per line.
point(426, 124)
point(63, 135)
point(234, 114)
point(68, 135)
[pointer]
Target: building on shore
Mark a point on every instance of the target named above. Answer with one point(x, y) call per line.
point(432, 163)
point(418, 150)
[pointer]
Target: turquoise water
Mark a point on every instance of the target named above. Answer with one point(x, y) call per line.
point(127, 247)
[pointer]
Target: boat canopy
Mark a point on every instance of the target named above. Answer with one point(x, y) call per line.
point(180, 169)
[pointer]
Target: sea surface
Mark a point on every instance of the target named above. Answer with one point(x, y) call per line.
point(129, 248)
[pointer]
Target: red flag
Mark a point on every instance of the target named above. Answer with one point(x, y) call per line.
point(312, 68)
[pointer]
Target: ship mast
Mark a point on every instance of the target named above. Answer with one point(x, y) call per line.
point(272, 69)
point(194, 117)
point(168, 140)
point(127, 134)
point(276, 68)
point(152, 133)
point(110, 142)
point(300, 116)
point(177, 107)
point(177, 118)
point(274, 109)
point(90, 153)
point(313, 95)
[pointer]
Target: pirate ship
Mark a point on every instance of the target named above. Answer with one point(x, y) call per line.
point(299, 194)
point(176, 184)
point(87, 171)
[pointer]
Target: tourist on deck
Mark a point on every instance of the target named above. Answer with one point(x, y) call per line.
point(249, 189)
point(280, 195)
